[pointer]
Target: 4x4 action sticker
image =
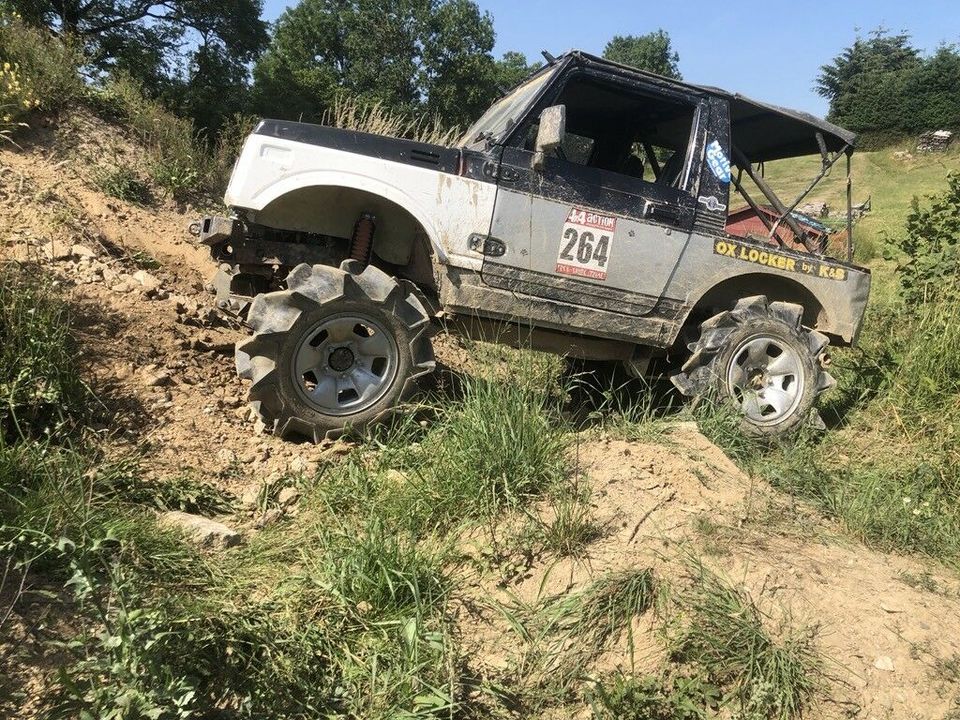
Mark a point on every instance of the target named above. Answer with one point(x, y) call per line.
point(770, 258)
point(586, 244)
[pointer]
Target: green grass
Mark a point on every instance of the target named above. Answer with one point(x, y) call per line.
point(763, 671)
point(570, 525)
point(890, 182)
point(124, 183)
point(497, 448)
point(567, 632)
point(41, 386)
point(675, 697)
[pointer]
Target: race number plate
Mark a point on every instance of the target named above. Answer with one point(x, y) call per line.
point(586, 244)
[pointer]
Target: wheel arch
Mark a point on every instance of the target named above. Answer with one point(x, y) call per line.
point(328, 202)
point(725, 294)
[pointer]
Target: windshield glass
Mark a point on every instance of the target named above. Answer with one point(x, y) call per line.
point(497, 120)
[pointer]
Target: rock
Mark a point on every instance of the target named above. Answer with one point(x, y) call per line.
point(55, 251)
point(146, 280)
point(288, 496)
point(885, 663)
point(83, 252)
point(268, 518)
point(158, 379)
point(202, 531)
point(301, 466)
point(251, 496)
point(125, 286)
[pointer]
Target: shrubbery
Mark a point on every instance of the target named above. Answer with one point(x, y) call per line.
point(930, 247)
point(37, 71)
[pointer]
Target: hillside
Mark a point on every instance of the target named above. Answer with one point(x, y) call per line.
point(442, 569)
point(890, 178)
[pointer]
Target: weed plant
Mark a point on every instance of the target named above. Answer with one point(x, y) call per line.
point(763, 673)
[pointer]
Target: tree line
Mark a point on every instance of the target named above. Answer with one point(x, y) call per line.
point(211, 59)
point(883, 84)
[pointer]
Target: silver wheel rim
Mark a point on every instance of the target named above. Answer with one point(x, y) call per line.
point(345, 364)
point(765, 379)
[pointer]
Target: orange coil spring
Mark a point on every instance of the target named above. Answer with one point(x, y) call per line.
point(361, 246)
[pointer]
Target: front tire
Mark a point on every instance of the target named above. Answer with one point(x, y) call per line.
point(340, 348)
point(759, 357)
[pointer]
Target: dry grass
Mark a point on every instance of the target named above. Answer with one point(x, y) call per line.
point(350, 113)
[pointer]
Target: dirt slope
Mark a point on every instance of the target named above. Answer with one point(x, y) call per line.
point(665, 504)
point(160, 354)
point(162, 358)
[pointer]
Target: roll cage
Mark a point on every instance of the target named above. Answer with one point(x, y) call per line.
point(757, 132)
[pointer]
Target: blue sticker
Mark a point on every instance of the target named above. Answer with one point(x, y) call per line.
point(718, 162)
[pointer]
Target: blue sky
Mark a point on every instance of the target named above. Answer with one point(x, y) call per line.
point(770, 49)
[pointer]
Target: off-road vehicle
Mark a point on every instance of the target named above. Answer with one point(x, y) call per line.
point(585, 213)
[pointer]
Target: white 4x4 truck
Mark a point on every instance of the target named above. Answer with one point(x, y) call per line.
point(586, 213)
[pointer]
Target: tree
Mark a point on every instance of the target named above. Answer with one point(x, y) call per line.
point(651, 52)
point(512, 69)
point(412, 56)
point(879, 54)
point(178, 49)
point(884, 85)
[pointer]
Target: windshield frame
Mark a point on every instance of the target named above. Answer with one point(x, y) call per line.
point(495, 124)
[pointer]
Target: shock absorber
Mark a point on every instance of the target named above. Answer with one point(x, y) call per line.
point(361, 244)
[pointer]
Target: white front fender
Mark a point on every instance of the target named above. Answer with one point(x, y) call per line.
point(297, 186)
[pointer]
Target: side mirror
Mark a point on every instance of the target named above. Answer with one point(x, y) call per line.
point(553, 127)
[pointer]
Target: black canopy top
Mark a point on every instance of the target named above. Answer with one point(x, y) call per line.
point(760, 130)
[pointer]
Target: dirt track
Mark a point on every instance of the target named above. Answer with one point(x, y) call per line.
point(162, 360)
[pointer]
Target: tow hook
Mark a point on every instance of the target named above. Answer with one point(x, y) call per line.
point(825, 360)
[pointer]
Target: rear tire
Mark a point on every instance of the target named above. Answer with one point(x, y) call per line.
point(338, 349)
point(760, 357)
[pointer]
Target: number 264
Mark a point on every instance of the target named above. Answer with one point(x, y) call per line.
point(585, 248)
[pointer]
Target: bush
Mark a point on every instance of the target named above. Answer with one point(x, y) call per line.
point(40, 70)
point(932, 247)
point(178, 163)
point(15, 100)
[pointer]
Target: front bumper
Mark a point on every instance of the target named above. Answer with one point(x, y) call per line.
point(215, 230)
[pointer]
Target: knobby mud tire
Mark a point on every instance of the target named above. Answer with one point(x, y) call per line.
point(704, 373)
point(281, 321)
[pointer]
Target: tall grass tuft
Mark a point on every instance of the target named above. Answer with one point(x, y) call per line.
point(572, 630)
point(351, 113)
point(499, 447)
point(767, 673)
point(41, 390)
